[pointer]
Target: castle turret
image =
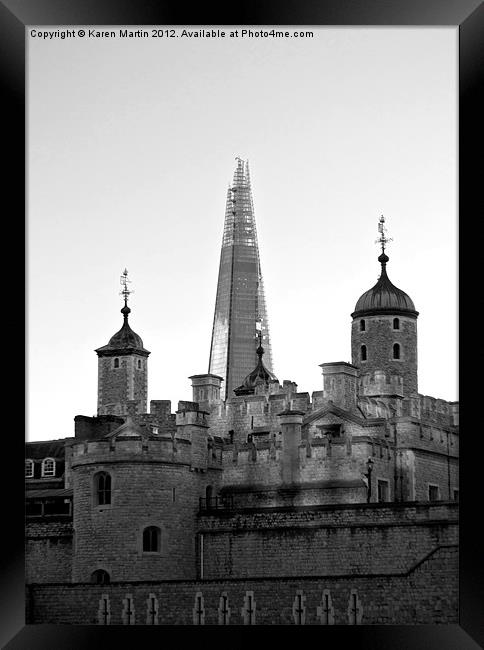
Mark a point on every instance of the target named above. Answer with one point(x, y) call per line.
point(192, 426)
point(123, 368)
point(206, 389)
point(136, 502)
point(291, 422)
point(340, 384)
point(384, 330)
point(260, 376)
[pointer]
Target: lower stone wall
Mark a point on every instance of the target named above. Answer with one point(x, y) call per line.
point(356, 538)
point(427, 594)
point(48, 550)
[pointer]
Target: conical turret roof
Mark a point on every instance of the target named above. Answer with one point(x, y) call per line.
point(260, 375)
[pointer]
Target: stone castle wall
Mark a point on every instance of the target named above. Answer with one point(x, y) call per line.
point(48, 550)
point(358, 539)
point(427, 593)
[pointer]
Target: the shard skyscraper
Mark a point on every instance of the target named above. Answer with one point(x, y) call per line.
point(240, 307)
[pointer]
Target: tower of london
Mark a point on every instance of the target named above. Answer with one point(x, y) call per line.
point(263, 506)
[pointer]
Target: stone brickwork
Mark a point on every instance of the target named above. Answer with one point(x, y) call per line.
point(379, 338)
point(86, 427)
point(48, 550)
point(363, 539)
point(427, 593)
point(340, 384)
point(431, 470)
point(119, 384)
point(152, 485)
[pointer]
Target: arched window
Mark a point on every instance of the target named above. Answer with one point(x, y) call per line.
point(48, 467)
point(151, 540)
point(29, 468)
point(102, 488)
point(116, 363)
point(100, 577)
point(362, 326)
point(139, 363)
point(363, 353)
point(396, 350)
point(396, 323)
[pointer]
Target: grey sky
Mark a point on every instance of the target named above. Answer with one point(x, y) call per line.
point(131, 145)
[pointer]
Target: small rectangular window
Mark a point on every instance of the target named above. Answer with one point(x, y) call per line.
point(455, 494)
point(433, 492)
point(29, 468)
point(383, 490)
point(331, 430)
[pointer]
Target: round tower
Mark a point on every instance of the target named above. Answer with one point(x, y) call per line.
point(136, 501)
point(384, 332)
point(122, 368)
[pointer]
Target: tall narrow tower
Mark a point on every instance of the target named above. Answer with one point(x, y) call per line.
point(240, 307)
point(122, 367)
point(384, 329)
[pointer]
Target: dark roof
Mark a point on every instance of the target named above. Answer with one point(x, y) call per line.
point(260, 375)
point(46, 449)
point(54, 492)
point(125, 340)
point(384, 297)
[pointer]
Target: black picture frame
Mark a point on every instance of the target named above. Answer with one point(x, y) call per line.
point(468, 17)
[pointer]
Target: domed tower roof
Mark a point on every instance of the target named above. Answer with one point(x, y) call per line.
point(260, 375)
point(384, 297)
point(125, 341)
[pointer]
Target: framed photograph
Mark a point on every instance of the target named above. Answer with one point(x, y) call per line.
point(277, 484)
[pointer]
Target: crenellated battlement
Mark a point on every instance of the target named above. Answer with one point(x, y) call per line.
point(432, 409)
point(125, 449)
point(380, 383)
point(320, 471)
point(438, 410)
point(192, 418)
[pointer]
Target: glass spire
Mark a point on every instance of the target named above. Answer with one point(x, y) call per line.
point(240, 307)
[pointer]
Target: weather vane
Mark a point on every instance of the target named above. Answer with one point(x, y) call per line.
point(124, 281)
point(383, 240)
